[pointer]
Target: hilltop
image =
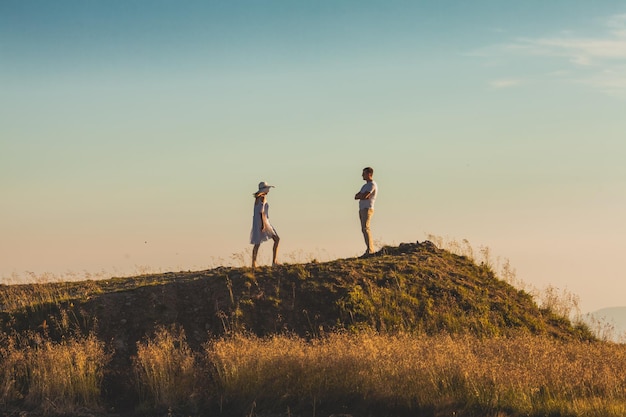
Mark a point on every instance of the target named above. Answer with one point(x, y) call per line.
point(414, 287)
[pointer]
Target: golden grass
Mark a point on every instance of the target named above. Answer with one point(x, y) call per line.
point(397, 374)
point(52, 378)
point(165, 369)
point(522, 375)
point(526, 375)
point(12, 363)
point(46, 289)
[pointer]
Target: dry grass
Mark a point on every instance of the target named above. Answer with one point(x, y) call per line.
point(44, 290)
point(525, 375)
point(52, 378)
point(399, 374)
point(561, 302)
point(339, 372)
point(165, 369)
point(12, 364)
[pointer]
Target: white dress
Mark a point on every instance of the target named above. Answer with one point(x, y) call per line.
point(256, 234)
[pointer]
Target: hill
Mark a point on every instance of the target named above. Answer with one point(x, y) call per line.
point(411, 288)
point(414, 287)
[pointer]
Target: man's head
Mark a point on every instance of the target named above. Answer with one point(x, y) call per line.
point(368, 173)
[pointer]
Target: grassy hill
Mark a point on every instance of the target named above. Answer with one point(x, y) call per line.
point(413, 288)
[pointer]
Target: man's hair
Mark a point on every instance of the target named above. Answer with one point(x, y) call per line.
point(369, 170)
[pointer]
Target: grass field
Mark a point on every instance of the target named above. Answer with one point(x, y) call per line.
point(414, 331)
point(398, 374)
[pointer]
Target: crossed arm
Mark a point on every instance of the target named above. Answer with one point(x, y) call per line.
point(362, 196)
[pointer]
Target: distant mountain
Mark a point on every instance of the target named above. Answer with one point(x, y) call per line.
point(612, 319)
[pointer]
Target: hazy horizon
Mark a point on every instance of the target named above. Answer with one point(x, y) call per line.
point(133, 134)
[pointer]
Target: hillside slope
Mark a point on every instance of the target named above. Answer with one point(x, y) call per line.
point(413, 287)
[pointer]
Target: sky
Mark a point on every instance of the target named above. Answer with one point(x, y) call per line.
point(133, 133)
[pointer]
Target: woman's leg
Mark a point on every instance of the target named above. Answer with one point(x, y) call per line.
point(275, 249)
point(255, 251)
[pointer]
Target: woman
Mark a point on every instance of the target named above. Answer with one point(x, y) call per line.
point(262, 229)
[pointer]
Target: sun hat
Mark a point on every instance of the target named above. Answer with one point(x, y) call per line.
point(264, 187)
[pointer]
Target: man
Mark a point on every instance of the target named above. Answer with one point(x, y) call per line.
point(367, 197)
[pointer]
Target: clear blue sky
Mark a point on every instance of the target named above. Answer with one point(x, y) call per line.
point(133, 133)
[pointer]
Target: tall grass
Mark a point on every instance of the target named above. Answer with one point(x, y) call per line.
point(400, 374)
point(165, 369)
point(522, 375)
point(12, 363)
point(525, 375)
point(52, 378)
